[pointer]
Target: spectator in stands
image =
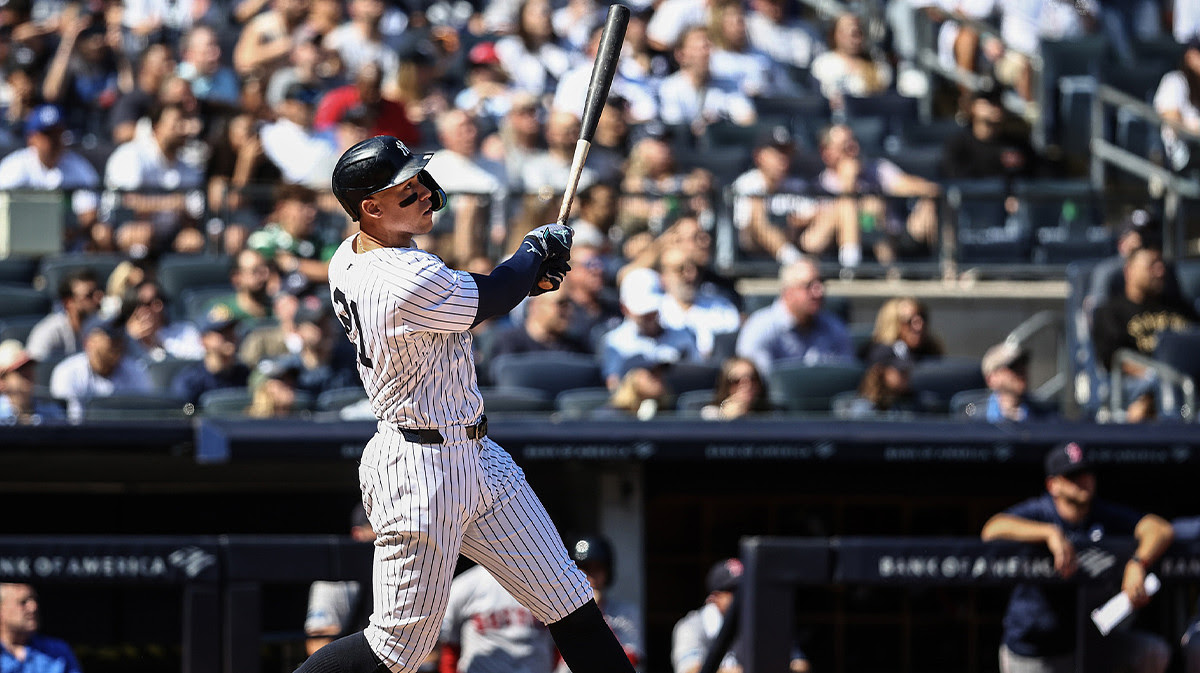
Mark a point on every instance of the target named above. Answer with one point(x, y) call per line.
point(238, 172)
point(333, 607)
point(475, 186)
point(1040, 624)
point(389, 117)
point(103, 369)
point(733, 58)
point(774, 214)
point(418, 85)
point(1005, 368)
point(487, 95)
point(46, 163)
point(251, 279)
point(311, 65)
point(153, 336)
point(594, 303)
point(575, 23)
point(22, 648)
point(610, 145)
point(671, 18)
point(518, 140)
point(794, 327)
point(485, 629)
point(642, 334)
point(154, 66)
point(219, 368)
point(18, 404)
point(547, 172)
point(61, 333)
point(545, 328)
point(275, 394)
point(1134, 319)
point(686, 234)
point(595, 214)
point(849, 68)
point(864, 182)
point(1178, 102)
point(155, 164)
point(1137, 229)
point(984, 149)
point(641, 393)
point(124, 278)
point(277, 338)
point(902, 331)
point(202, 66)
point(740, 391)
point(82, 75)
point(302, 155)
point(885, 389)
point(696, 632)
point(359, 41)
point(1023, 25)
point(291, 238)
point(637, 93)
point(694, 95)
point(689, 304)
point(24, 95)
point(656, 188)
point(787, 41)
point(532, 57)
point(319, 369)
point(268, 39)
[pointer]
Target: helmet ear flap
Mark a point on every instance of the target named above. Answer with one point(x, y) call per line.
point(437, 197)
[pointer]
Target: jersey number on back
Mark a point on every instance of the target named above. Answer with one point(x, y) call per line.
point(348, 316)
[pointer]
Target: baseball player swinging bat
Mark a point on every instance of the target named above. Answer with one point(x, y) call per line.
point(603, 71)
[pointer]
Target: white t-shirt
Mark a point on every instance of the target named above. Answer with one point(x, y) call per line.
point(672, 18)
point(297, 151)
point(681, 103)
point(572, 93)
point(784, 43)
point(1187, 21)
point(74, 381)
point(535, 72)
point(1173, 94)
point(709, 315)
point(23, 170)
point(140, 164)
point(1025, 23)
point(357, 51)
point(836, 77)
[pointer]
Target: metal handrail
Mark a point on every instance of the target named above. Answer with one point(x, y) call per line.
point(1033, 325)
point(1167, 377)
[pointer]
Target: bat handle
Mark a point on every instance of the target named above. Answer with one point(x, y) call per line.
point(581, 152)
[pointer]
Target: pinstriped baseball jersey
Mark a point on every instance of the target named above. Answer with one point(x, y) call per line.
point(409, 316)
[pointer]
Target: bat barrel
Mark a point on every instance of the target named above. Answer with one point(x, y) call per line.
point(605, 68)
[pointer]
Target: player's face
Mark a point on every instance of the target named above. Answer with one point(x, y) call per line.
point(405, 209)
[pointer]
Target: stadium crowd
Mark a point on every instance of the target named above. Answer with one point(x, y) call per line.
point(195, 141)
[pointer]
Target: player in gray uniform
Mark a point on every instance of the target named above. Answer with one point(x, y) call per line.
point(486, 630)
point(433, 484)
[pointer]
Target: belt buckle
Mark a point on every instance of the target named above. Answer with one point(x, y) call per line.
point(479, 430)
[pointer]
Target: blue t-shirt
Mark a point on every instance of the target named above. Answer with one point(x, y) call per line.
point(1040, 620)
point(42, 655)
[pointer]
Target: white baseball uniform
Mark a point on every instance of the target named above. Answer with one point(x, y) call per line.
point(494, 633)
point(432, 486)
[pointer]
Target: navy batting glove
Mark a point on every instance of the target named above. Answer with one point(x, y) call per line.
point(551, 241)
point(552, 272)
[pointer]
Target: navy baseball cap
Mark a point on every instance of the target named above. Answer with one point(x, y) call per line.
point(724, 575)
point(1066, 459)
point(43, 118)
point(217, 319)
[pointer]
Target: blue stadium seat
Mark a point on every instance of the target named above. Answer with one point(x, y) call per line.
point(894, 110)
point(1188, 273)
point(338, 398)
point(19, 300)
point(801, 388)
point(687, 376)
point(162, 372)
point(52, 270)
point(580, 402)
point(225, 402)
point(177, 273)
point(1180, 350)
point(548, 372)
point(18, 270)
point(985, 233)
point(924, 161)
point(691, 402)
point(936, 382)
point(133, 407)
point(970, 404)
point(787, 109)
point(512, 400)
point(18, 326)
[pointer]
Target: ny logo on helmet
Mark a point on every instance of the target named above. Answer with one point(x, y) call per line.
point(400, 145)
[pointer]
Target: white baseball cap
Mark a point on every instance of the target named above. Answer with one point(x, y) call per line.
point(641, 292)
point(13, 356)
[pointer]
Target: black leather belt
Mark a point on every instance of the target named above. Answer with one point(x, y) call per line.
point(477, 431)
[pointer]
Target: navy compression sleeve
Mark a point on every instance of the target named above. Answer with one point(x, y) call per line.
point(507, 284)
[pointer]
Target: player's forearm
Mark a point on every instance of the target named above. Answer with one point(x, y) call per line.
point(1008, 527)
point(507, 284)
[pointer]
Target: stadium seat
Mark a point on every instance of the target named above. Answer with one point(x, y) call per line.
point(691, 402)
point(508, 400)
point(870, 133)
point(985, 233)
point(894, 110)
point(550, 373)
point(970, 404)
point(724, 346)
point(687, 376)
point(52, 270)
point(580, 402)
point(177, 273)
point(337, 398)
point(18, 326)
point(801, 388)
point(225, 402)
point(133, 407)
point(1180, 350)
point(162, 372)
point(725, 162)
point(924, 161)
point(17, 300)
point(785, 109)
point(45, 368)
point(18, 270)
point(935, 382)
point(1188, 273)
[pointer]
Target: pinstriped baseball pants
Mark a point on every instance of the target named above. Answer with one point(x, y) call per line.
point(430, 502)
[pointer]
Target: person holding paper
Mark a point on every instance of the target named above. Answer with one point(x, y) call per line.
point(1039, 625)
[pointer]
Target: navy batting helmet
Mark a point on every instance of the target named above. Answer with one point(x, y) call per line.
point(593, 549)
point(375, 164)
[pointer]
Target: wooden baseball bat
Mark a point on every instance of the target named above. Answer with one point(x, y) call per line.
point(603, 71)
